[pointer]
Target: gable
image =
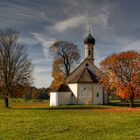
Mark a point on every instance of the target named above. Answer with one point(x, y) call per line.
point(85, 77)
point(85, 73)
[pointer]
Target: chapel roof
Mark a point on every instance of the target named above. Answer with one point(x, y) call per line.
point(89, 39)
point(63, 88)
point(85, 73)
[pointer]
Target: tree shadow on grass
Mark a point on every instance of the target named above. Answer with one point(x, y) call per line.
point(67, 108)
point(121, 104)
point(82, 107)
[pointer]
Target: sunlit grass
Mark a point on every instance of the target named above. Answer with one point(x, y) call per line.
point(39, 124)
point(22, 103)
point(78, 122)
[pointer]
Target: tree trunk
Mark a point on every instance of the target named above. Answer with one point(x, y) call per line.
point(6, 101)
point(132, 99)
point(6, 97)
point(131, 103)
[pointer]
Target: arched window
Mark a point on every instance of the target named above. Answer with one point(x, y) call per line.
point(97, 94)
point(89, 52)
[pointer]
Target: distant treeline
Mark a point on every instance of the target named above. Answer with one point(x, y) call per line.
point(27, 92)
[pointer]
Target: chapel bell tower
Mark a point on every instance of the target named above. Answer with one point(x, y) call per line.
point(89, 44)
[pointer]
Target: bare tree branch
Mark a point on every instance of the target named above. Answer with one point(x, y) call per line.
point(15, 65)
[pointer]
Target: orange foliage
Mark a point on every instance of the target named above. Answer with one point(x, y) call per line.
point(121, 74)
point(58, 76)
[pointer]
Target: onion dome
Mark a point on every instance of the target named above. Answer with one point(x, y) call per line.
point(89, 40)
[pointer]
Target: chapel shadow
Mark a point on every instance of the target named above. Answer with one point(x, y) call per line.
point(68, 107)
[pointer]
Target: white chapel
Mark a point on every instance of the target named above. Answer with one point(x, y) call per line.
point(82, 84)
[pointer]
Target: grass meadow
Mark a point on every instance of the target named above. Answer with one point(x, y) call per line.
point(34, 120)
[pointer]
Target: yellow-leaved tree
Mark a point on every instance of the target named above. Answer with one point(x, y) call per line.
point(58, 76)
point(66, 56)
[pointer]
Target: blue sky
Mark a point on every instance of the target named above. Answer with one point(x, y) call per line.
point(115, 24)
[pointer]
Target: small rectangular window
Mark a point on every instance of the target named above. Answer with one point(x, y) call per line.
point(89, 52)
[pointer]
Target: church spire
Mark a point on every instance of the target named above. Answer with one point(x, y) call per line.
point(89, 47)
point(89, 39)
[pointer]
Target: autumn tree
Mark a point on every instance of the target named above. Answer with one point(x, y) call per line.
point(121, 74)
point(68, 53)
point(15, 65)
point(58, 76)
point(66, 57)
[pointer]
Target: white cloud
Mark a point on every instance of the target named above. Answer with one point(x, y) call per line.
point(45, 41)
point(100, 19)
point(27, 41)
point(69, 23)
point(133, 46)
point(86, 21)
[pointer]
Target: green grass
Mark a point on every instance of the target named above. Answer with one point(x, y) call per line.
point(68, 123)
point(22, 103)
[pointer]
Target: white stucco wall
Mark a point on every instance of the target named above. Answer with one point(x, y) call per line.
point(97, 89)
point(84, 93)
point(87, 94)
point(64, 98)
point(53, 99)
point(60, 98)
point(74, 89)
